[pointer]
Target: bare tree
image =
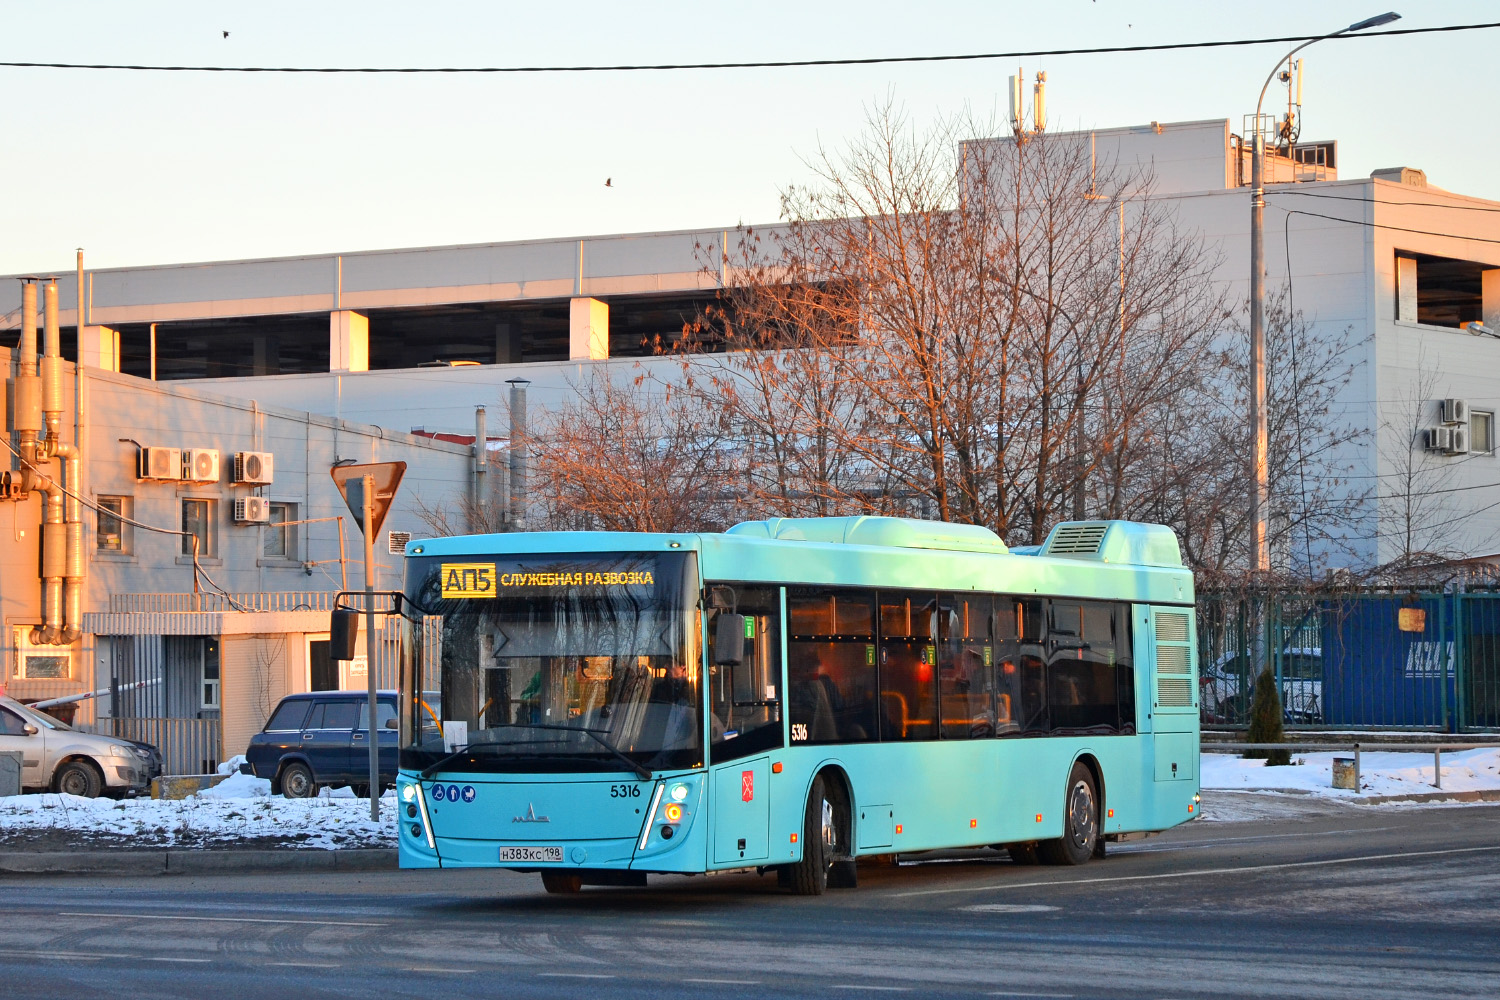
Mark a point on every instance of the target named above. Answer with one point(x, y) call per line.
point(1417, 510)
point(631, 458)
point(1316, 503)
point(980, 337)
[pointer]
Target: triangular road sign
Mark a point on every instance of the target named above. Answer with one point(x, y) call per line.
point(350, 479)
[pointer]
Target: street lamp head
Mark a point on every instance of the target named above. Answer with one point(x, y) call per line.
point(1374, 22)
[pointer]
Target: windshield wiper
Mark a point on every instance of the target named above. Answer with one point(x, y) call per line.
point(432, 769)
point(643, 772)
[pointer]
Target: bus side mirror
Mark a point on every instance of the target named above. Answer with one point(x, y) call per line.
point(729, 639)
point(343, 630)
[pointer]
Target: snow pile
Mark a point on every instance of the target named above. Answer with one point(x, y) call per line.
point(239, 809)
point(1379, 774)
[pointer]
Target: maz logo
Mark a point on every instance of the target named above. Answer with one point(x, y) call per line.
point(531, 816)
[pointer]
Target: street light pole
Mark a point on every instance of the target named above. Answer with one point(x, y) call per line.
point(1260, 499)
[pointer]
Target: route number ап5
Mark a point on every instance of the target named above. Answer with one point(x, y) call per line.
point(624, 791)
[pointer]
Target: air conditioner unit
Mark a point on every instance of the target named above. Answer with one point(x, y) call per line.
point(396, 542)
point(1459, 445)
point(1455, 411)
point(252, 510)
point(1437, 439)
point(253, 467)
point(161, 463)
point(200, 465)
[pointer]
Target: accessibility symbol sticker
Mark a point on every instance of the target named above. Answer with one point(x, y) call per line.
point(438, 793)
point(468, 793)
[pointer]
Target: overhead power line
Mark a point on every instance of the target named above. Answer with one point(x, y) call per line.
point(759, 64)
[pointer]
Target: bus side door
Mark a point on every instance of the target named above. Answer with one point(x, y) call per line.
point(742, 811)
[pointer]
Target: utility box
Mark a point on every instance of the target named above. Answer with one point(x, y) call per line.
point(10, 772)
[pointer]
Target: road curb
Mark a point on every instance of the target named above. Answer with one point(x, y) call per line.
point(184, 862)
point(1475, 795)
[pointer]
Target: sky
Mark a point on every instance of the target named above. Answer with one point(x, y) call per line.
point(150, 168)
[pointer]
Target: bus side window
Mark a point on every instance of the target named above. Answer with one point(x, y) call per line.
point(831, 675)
point(1124, 667)
point(908, 665)
point(967, 692)
point(744, 698)
point(1031, 662)
point(1081, 683)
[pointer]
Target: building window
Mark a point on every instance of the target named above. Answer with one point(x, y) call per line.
point(280, 539)
point(1442, 291)
point(210, 678)
point(1482, 432)
point(197, 523)
point(36, 662)
point(111, 533)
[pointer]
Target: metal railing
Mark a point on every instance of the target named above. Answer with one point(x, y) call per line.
point(1358, 748)
point(188, 746)
point(289, 600)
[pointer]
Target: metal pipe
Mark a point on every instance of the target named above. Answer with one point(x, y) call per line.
point(73, 568)
point(28, 388)
point(481, 467)
point(52, 388)
point(54, 563)
point(518, 450)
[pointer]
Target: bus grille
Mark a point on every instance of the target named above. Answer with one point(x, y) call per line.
point(1172, 660)
point(1174, 692)
point(1171, 626)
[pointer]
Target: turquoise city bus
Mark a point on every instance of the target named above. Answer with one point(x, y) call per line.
point(791, 695)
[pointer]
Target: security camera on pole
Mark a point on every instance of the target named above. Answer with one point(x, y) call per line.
point(369, 490)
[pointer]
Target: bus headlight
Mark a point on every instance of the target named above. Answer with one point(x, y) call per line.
point(679, 792)
point(408, 793)
point(673, 812)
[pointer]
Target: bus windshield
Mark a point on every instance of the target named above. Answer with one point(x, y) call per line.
point(555, 663)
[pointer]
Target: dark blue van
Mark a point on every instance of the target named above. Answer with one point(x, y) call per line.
point(322, 738)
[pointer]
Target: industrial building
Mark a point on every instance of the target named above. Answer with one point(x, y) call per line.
point(416, 338)
point(191, 545)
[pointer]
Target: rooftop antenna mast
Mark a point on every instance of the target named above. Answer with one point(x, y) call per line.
point(1017, 110)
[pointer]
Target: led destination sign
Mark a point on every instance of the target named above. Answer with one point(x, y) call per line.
point(483, 580)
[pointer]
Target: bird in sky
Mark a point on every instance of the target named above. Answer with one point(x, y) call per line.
point(609, 182)
point(226, 34)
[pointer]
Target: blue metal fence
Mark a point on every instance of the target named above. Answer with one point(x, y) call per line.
point(1344, 661)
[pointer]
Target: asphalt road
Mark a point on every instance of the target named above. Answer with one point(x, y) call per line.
point(1353, 902)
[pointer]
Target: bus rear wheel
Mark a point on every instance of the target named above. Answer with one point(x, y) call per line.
point(1080, 822)
point(561, 882)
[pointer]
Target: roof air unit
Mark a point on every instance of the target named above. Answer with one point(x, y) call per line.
point(1459, 444)
point(253, 468)
point(1437, 439)
point(252, 510)
point(160, 463)
point(200, 465)
point(1455, 411)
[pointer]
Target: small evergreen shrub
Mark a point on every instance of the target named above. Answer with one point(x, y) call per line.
point(1265, 720)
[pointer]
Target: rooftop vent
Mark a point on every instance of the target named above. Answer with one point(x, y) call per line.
point(1410, 176)
point(1079, 538)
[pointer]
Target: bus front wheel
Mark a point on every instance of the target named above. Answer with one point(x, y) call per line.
point(820, 845)
point(1080, 822)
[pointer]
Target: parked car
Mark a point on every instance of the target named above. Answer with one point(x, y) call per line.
point(321, 738)
point(56, 756)
point(1301, 687)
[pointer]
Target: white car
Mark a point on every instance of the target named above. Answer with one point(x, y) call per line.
point(60, 758)
point(1301, 687)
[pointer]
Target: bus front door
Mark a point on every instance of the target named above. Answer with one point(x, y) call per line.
point(742, 811)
